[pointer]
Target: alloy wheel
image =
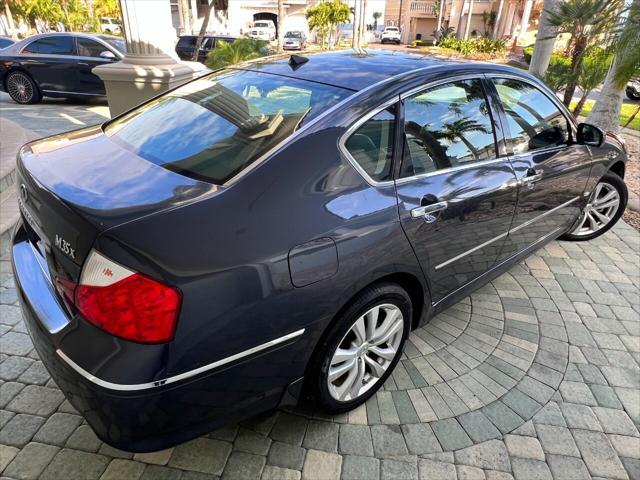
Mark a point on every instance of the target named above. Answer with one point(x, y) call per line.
point(366, 351)
point(602, 207)
point(20, 87)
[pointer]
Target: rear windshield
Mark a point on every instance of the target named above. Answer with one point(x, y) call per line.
point(261, 24)
point(214, 127)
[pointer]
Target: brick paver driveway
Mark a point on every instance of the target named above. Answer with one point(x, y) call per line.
point(535, 375)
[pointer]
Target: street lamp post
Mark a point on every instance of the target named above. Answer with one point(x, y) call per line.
point(150, 66)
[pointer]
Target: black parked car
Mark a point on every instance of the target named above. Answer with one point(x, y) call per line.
point(57, 65)
point(187, 44)
point(277, 229)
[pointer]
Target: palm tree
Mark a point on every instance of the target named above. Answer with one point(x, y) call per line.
point(451, 131)
point(587, 21)
point(545, 41)
point(606, 111)
point(376, 16)
point(596, 66)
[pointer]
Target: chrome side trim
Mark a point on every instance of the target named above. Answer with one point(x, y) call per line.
point(501, 264)
point(502, 235)
point(176, 378)
point(541, 216)
point(469, 252)
point(445, 171)
point(76, 93)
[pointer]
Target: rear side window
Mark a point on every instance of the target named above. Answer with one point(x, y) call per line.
point(447, 126)
point(55, 45)
point(371, 145)
point(534, 120)
point(213, 128)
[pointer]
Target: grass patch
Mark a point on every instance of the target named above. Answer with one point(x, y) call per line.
point(625, 113)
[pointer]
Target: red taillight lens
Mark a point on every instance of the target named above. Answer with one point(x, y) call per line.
point(125, 303)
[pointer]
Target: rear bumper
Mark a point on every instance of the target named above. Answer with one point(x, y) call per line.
point(152, 415)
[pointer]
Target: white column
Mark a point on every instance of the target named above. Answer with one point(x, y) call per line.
point(525, 20)
point(150, 65)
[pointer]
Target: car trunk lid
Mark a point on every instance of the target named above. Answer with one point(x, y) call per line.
point(68, 196)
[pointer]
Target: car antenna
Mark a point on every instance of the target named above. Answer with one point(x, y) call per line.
point(295, 61)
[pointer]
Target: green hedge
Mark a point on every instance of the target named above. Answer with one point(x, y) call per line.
point(476, 45)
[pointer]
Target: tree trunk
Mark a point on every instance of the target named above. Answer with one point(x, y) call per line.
point(459, 28)
point(469, 15)
point(576, 66)
point(632, 117)
point(580, 105)
point(440, 15)
point(606, 112)
point(281, 32)
point(363, 23)
point(203, 30)
point(10, 24)
point(545, 41)
point(357, 11)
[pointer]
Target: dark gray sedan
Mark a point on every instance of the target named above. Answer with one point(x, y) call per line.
point(57, 65)
point(275, 230)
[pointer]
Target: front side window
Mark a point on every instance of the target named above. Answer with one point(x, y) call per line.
point(371, 145)
point(533, 119)
point(214, 127)
point(54, 45)
point(447, 126)
point(90, 48)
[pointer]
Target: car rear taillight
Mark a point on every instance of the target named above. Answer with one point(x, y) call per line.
point(123, 302)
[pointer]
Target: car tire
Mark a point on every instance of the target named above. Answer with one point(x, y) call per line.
point(598, 217)
point(22, 89)
point(631, 95)
point(393, 305)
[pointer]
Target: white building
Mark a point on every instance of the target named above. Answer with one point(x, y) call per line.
point(241, 14)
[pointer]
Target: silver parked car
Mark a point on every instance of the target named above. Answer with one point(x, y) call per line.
point(294, 40)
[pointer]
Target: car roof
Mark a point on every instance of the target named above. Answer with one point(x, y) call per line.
point(356, 70)
point(98, 36)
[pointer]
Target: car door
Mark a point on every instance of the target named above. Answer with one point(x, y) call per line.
point(51, 62)
point(456, 188)
point(91, 54)
point(552, 169)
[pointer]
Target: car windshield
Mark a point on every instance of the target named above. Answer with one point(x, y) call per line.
point(293, 35)
point(214, 127)
point(117, 43)
point(261, 24)
point(392, 29)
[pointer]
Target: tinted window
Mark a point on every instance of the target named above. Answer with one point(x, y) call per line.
point(55, 45)
point(186, 42)
point(371, 145)
point(89, 48)
point(447, 126)
point(294, 35)
point(5, 42)
point(214, 127)
point(117, 43)
point(534, 120)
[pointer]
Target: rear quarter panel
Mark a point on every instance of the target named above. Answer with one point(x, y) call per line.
point(228, 254)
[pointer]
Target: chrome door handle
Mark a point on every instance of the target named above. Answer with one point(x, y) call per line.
point(426, 211)
point(532, 178)
point(83, 64)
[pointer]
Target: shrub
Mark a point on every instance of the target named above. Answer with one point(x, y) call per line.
point(477, 45)
point(528, 53)
point(559, 72)
point(422, 43)
point(241, 50)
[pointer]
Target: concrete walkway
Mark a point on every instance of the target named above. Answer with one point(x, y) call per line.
point(20, 124)
point(535, 376)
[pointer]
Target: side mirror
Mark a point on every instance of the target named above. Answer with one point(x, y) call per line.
point(107, 54)
point(590, 135)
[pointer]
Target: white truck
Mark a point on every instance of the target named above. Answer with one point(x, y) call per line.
point(263, 30)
